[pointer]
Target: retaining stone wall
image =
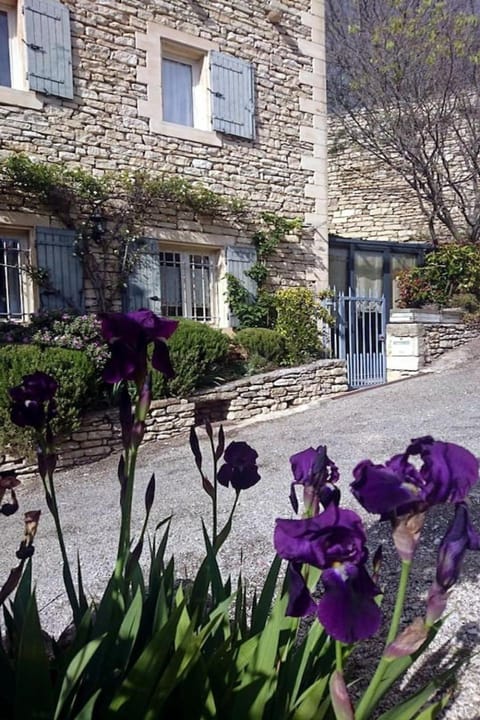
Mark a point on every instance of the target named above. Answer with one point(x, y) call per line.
point(99, 434)
point(438, 339)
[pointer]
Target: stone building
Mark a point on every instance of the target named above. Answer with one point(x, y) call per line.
point(228, 93)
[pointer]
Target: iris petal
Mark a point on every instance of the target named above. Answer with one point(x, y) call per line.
point(347, 609)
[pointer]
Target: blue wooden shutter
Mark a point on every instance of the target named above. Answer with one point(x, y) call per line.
point(233, 102)
point(49, 47)
point(143, 289)
point(239, 260)
point(56, 255)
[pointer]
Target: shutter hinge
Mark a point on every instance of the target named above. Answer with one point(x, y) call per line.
point(216, 93)
point(37, 48)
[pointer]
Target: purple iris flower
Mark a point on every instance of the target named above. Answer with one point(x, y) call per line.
point(334, 542)
point(399, 488)
point(316, 472)
point(460, 537)
point(33, 402)
point(129, 335)
point(240, 468)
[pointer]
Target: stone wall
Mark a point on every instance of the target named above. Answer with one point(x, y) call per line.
point(366, 199)
point(99, 434)
point(106, 127)
point(411, 346)
point(278, 390)
point(438, 339)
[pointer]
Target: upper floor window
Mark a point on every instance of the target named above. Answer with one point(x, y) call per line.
point(5, 72)
point(35, 50)
point(193, 90)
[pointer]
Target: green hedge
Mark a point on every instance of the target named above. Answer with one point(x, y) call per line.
point(78, 388)
point(197, 352)
point(265, 348)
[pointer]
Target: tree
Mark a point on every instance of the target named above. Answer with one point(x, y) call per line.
point(403, 81)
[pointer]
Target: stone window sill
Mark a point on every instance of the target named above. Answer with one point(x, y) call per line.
point(20, 98)
point(184, 132)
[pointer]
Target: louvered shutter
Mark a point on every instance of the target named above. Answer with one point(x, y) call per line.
point(143, 289)
point(49, 47)
point(233, 109)
point(239, 261)
point(56, 255)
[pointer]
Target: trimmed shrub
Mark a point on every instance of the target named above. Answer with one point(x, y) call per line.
point(297, 321)
point(265, 348)
point(197, 352)
point(77, 388)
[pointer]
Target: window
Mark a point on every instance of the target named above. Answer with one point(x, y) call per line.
point(186, 285)
point(174, 282)
point(35, 51)
point(194, 91)
point(12, 72)
point(370, 268)
point(185, 96)
point(15, 286)
point(49, 250)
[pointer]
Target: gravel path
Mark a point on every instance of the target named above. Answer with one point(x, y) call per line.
point(375, 423)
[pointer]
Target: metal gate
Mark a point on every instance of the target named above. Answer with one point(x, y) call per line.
point(358, 337)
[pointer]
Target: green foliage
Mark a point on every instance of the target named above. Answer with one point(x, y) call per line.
point(109, 212)
point(260, 311)
point(298, 314)
point(450, 270)
point(266, 348)
point(251, 312)
point(77, 391)
point(197, 352)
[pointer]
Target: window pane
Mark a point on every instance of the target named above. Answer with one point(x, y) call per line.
point(201, 287)
point(177, 95)
point(338, 269)
point(368, 273)
point(171, 284)
point(400, 262)
point(10, 279)
point(5, 75)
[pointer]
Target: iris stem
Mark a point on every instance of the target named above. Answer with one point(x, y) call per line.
point(67, 575)
point(215, 493)
point(126, 520)
point(400, 601)
point(49, 487)
point(339, 656)
point(369, 699)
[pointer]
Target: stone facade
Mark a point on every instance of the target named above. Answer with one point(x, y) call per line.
point(113, 121)
point(99, 434)
point(365, 197)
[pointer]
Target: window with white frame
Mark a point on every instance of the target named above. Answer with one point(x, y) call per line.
point(15, 285)
point(12, 66)
point(193, 90)
point(186, 285)
point(185, 97)
point(174, 282)
point(35, 51)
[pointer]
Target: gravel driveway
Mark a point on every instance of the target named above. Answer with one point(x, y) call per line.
point(375, 423)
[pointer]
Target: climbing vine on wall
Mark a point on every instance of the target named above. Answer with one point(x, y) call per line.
point(260, 311)
point(108, 212)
